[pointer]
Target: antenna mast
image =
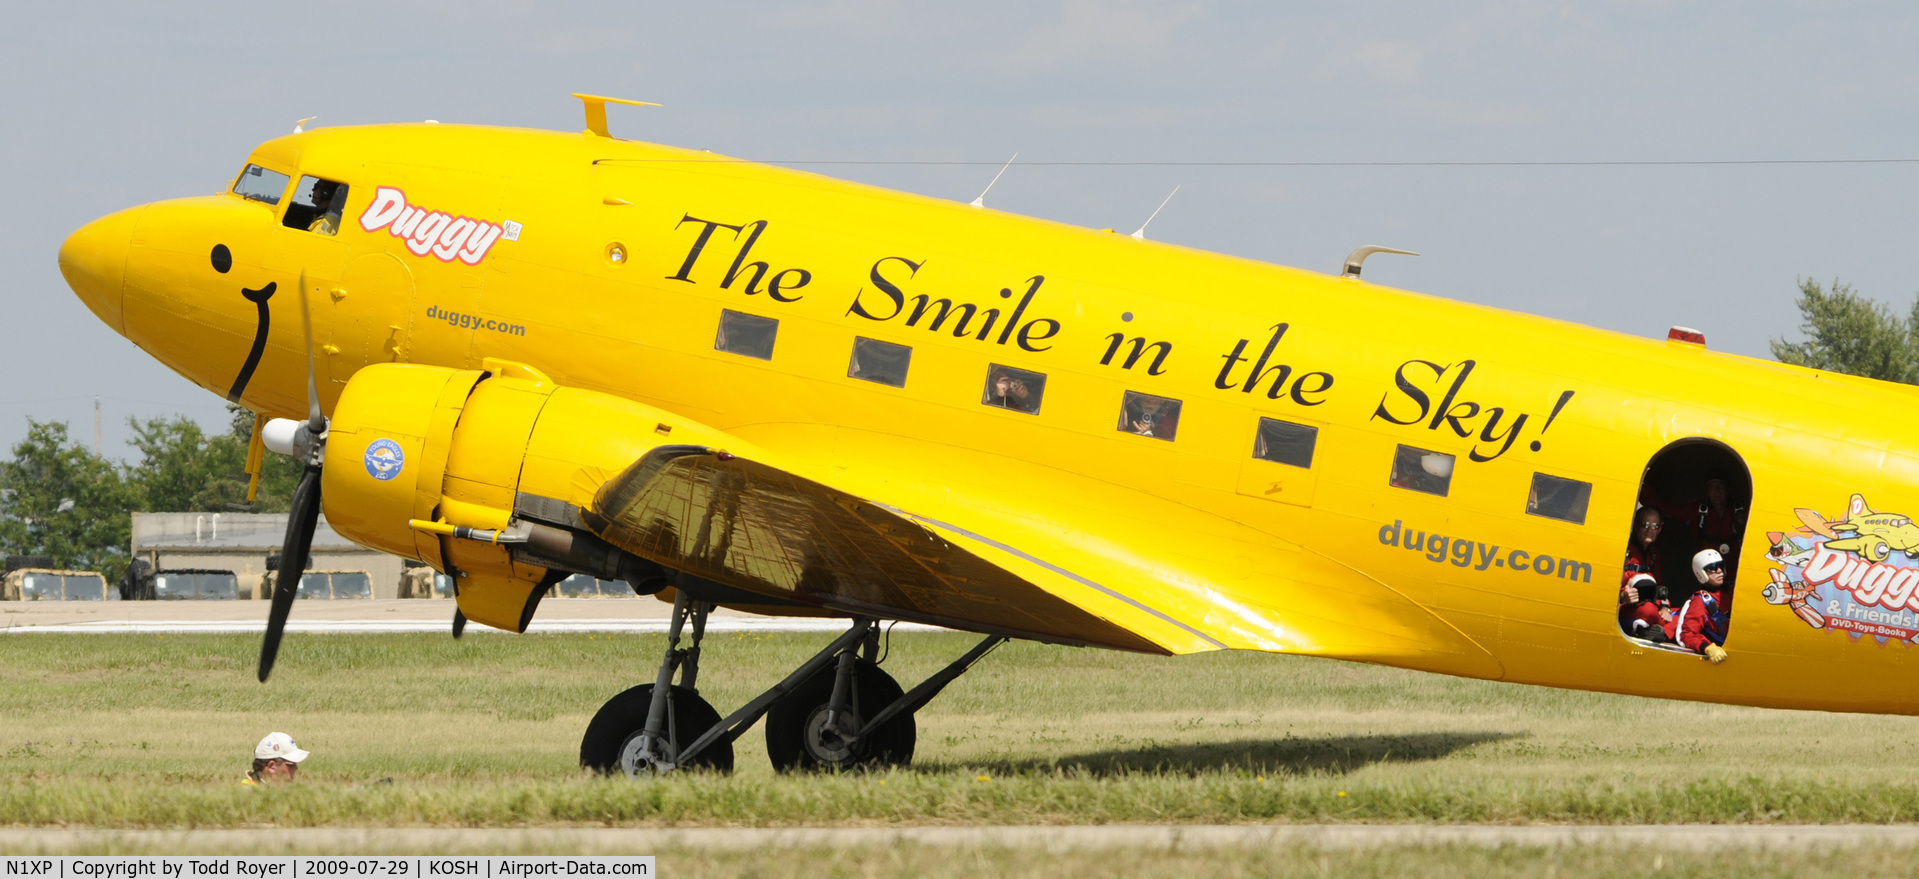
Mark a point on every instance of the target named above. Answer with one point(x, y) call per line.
point(981, 201)
point(1140, 233)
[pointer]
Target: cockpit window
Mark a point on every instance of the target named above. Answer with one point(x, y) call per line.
point(259, 184)
point(316, 206)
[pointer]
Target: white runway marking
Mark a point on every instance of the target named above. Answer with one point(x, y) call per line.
point(1157, 837)
point(255, 627)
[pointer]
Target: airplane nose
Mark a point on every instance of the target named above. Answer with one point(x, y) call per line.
point(94, 262)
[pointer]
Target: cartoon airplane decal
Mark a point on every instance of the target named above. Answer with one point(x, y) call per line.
point(1871, 534)
point(516, 355)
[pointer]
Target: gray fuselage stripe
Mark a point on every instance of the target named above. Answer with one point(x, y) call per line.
point(1060, 571)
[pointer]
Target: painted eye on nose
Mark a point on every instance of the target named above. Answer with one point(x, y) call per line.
point(222, 259)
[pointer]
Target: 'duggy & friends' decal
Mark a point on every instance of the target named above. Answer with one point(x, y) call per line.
point(1856, 573)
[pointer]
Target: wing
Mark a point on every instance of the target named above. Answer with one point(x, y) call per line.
point(995, 557)
point(748, 526)
point(1815, 522)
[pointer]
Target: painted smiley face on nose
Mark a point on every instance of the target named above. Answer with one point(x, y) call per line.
point(222, 259)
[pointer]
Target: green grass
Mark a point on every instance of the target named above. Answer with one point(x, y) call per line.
point(1436, 862)
point(1396, 861)
point(155, 731)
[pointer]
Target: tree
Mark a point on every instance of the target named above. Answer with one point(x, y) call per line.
point(182, 469)
point(1846, 332)
point(59, 499)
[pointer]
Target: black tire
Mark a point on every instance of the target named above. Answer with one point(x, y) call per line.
point(789, 743)
point(624, 716)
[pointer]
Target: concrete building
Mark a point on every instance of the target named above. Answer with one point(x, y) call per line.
point(241, 542)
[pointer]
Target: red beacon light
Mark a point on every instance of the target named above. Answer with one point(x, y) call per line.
point(1686, 334)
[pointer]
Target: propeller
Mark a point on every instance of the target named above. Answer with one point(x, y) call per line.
point(459, 624)
point(307, 441)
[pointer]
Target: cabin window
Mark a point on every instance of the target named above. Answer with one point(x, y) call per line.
point(1422, 470)
point(746, 334)
point(1017, 389)
point(317, 205)
point(1147, 415)
point(877, 361)
point(259, 184)
point(1285, 442)
point(1559, 498)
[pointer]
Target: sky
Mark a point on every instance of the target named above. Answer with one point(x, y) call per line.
point(114, 104)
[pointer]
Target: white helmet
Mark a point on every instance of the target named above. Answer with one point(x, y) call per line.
point(1704, 558)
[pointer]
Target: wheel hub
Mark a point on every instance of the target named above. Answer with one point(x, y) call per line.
point(642, 755)
point(833, 744)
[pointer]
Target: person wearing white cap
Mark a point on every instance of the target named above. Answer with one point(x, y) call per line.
point(275, 759)
point(1704, 617)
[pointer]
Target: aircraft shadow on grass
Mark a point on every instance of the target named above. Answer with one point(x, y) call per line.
point(1292, 755)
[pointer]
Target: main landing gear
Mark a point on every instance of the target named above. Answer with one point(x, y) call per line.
point(838, 710)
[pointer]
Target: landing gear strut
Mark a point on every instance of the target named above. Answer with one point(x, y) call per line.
point(838, 710)
point(646, 729)
point(821, 724)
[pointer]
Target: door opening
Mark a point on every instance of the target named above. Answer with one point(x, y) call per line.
point(1682, 558)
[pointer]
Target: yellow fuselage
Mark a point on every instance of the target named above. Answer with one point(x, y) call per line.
point(621, 256)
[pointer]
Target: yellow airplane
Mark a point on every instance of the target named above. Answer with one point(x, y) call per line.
point(516, 354)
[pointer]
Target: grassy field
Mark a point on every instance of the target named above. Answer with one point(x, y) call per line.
point(1427, 862)
point(1431, 862)
point(418, 730)
point(1434, 862)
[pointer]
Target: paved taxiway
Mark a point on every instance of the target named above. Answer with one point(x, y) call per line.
point(1154, 837)
point(420, 615)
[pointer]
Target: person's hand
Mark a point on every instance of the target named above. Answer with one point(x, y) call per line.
point(1715, 653)
point(1631, 594)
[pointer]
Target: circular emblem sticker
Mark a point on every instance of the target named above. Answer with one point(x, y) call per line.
point(384, 460)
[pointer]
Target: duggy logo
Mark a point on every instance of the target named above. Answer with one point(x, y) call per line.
point(445, 236)
point(1858, 574)
point(384, 459)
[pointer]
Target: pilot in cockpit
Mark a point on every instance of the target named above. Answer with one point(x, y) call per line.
point(326, 210)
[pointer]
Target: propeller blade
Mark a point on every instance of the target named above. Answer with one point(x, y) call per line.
point(316, 423)
point(302, 519)
point(304, 515)
point(459, 624)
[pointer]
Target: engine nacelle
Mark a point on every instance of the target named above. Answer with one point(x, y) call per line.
point(421, 459)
